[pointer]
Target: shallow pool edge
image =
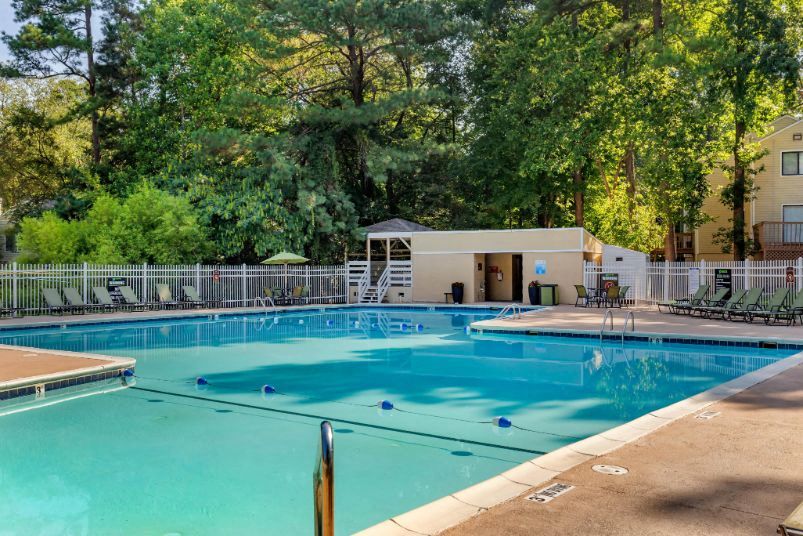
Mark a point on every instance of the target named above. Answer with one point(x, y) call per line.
point(456, 508)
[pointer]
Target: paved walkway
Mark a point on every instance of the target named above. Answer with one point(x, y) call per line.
point(17, 364)
point(740, 473)
point(648, 320)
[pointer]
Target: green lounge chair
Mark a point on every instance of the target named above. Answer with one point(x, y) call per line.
point(721, 310)
point(781, 313)
point(166, 300)
point(104, 299)
point(693, 301)
point(53, 301)
point(749, 303)
point(776, 303)
point(130, 299)
point(717, 300)
point(303, 294)
point(75, 301)
point(192, 297)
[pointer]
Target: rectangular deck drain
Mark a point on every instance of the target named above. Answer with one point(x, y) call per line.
point(550, 492)
point(707, 415)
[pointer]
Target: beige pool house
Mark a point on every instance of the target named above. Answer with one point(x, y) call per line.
point(405, 262)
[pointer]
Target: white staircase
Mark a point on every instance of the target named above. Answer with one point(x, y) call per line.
point(373, 280)
point(376, 293)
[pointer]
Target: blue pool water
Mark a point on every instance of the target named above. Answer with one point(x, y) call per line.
point(165, 457)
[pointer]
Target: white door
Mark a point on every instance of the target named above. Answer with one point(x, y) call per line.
point(793, 234)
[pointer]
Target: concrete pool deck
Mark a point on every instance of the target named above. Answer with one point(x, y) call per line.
point(739, 473)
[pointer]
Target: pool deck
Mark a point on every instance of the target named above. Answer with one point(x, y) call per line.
point(647, 320)
point(739, 473)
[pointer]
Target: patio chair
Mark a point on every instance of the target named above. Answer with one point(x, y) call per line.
point(75, 300)
point(623, 294)
point(295, 296)
point(104, 299)
point(717, 300)
point(693, 300)
point(776, 311)
point(165, 297)
point(53, 301)
point(192, 297)
point(749, 303)
point(584, 299)
point(303, 295)
point(131, 301)
point(612, 297)
point(6, 311)
point(733, 301)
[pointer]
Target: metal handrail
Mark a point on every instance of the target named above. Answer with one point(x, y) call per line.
point(515, 307)
point(264, 302)
point(608, 314)
point(632, 317)
point(323, 483)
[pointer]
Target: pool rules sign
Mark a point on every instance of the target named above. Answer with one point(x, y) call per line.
point(723, 280)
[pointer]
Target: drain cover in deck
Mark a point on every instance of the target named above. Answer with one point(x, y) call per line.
point(610, 469)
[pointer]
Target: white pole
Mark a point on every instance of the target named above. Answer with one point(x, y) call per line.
point(245, 286)
point(198, 277)
point(746, 274)
point(799, 275)
point(14, 299)
point(666, 280)
point(86, 284)
point(145, 298)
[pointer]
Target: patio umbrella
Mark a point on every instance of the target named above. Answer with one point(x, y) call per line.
point(285, 257)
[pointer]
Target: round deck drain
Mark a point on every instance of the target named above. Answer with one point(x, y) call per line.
point(610, 469)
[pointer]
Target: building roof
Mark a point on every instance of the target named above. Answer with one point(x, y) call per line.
point(396, 225)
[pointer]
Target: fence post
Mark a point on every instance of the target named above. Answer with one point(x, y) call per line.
point(799, 275)
point(198, 277)
point(306, 279)
point(747, 274)
point(14, 300)
point(666, 280)
point(86, 284)
point(145, 297)
point(245, 286)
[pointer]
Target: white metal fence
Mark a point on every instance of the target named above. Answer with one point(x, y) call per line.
point(661, 281)
point(231, 286)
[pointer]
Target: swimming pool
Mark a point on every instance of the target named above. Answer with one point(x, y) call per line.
point(168, 457)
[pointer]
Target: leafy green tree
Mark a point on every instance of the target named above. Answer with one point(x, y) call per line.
point(753, 66)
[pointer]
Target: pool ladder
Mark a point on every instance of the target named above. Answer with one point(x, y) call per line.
point(609, 315)
point(264, 303)
point(323, 483)
point(515, 308)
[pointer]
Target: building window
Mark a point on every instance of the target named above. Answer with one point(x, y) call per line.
point(792, 163)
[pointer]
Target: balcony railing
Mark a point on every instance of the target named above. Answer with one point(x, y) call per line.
point(779, 240)
point(684, 242)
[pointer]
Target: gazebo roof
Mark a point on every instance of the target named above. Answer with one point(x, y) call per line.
point(396, 227)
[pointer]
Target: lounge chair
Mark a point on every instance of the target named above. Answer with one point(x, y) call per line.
point(75, 300)
point(104, 299)
point(775, 306)
point(131, 301)
point(584, 299)
point(722, 310)
point(53, 301)
point(693, 300)
point(749, 303)
point(717, 300)
point(166, 300)
point(777, 312)
point(192, 297)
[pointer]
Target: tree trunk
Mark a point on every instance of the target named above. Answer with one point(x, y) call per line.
point(670, 253)
point(579, 198)
point(739, 191)
point(90, 70)
point(630, 175)
point(657, 18)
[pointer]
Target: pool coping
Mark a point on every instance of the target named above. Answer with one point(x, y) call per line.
point(23, 386)
point(458, 507)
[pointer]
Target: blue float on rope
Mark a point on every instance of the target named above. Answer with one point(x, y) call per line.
point(267, 389)
point(200, 380)
point(330, 323)
point(403, 326)
point(502, 422)
point(128, 373)
point(419, 327)
point(386, 404)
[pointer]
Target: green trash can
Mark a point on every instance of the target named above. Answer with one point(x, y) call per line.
point(549, 294)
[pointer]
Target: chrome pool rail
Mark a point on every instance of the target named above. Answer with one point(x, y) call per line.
point(514, 307)
point(630, 316)
point(608, 314)
point(323, 483)
point(264, 303)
